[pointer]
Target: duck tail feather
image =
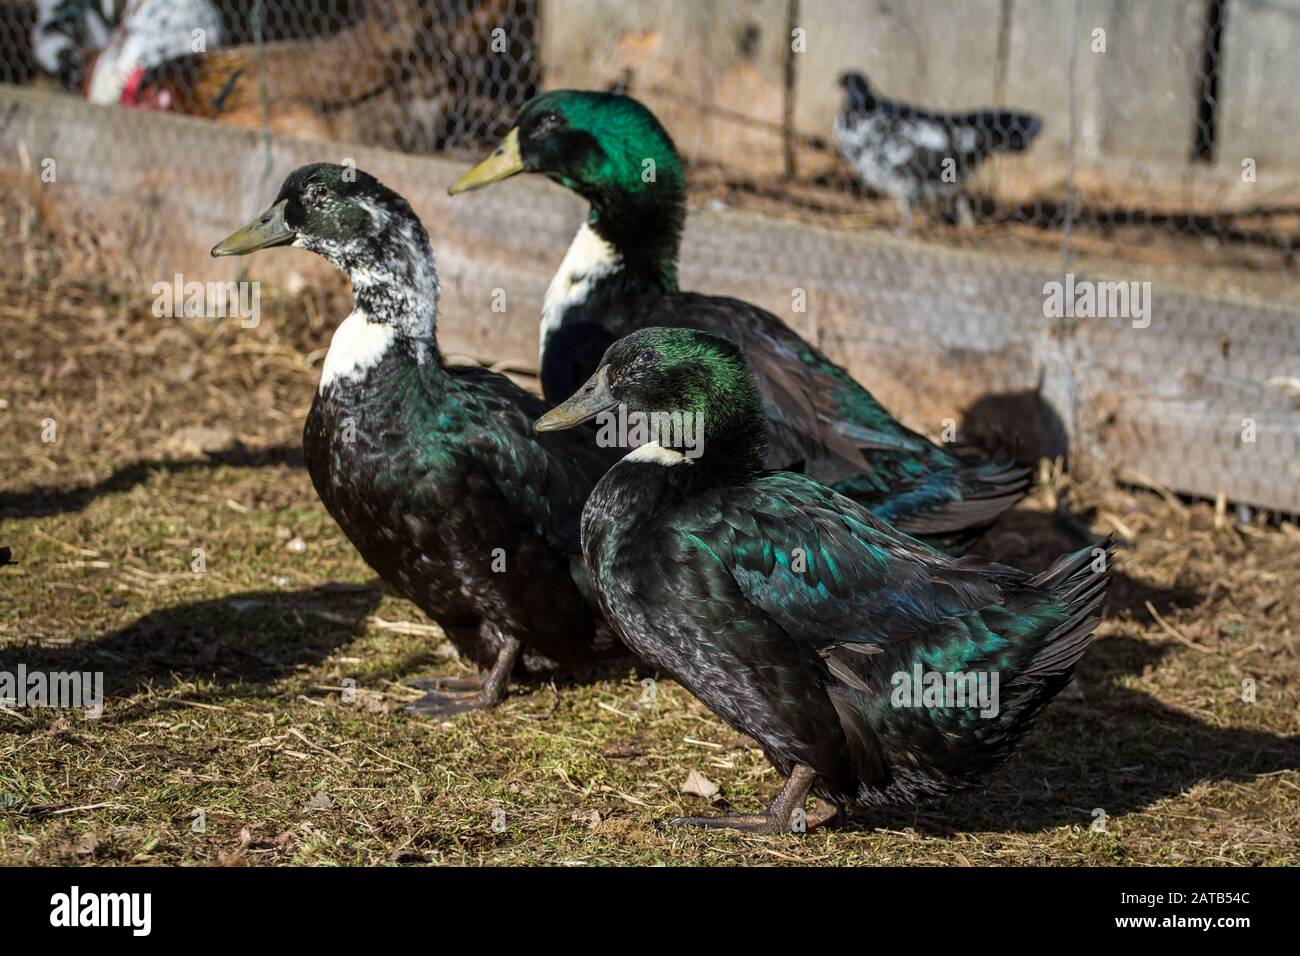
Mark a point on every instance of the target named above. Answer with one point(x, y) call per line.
point(1069, 571)
point(1076, 584)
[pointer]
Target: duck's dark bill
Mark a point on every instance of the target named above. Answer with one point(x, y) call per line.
point(268, 229)
point(588, 402)
point(502, 164)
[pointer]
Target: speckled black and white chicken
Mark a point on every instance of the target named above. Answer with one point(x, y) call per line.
point(919, 157)
point(150, 33)
point(68, 32)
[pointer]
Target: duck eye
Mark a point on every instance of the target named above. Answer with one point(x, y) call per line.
point(645, 357)
point(548, 122)
point(313, 194)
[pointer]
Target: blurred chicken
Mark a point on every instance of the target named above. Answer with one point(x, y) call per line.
point(921, 157)
point(301, 98)
point(68, 33)
point(149, 34)
point(314, 88)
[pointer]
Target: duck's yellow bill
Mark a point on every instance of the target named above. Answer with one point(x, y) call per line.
point(502, 164)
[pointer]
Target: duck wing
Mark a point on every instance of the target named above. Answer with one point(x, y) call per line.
point(831, 573)
point(873, 604)
point(824, 424)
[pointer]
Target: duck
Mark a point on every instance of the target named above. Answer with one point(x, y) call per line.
point(620, 274)
point(433, 472)
point(921, 157)
point(871, 669)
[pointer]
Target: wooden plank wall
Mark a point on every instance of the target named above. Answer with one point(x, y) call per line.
point(1135, 101)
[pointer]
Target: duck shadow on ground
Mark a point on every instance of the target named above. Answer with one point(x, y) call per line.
point(41, 501)
point(1022, 423)
point(1026, 425)
point(247, 641)
point(1032, 540)
point(250, 638)
point(1114, 749)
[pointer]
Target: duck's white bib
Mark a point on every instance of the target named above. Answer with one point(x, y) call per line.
point(357, 346)
point(656, 454)
point(589, 259)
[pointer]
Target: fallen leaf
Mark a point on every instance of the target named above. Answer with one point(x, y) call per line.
point(372, 701)
point(698, 785)
point(233, 858)
point(87, 843)
point(588, 818)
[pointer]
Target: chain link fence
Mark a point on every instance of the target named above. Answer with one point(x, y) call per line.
point(1069, 190)
point(409, 75)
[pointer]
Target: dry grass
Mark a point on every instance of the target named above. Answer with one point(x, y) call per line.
point(225, 686)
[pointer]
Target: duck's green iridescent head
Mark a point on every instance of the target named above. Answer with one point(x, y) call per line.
point(602, 146)
point(659, 370)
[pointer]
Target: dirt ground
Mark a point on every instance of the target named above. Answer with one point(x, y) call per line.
point(231, 734)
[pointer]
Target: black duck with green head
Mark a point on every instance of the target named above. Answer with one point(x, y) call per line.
point(433, 472)
point(798, 616)
point(620, 275)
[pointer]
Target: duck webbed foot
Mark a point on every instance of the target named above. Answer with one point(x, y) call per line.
point(785, 814)
point(448, 696)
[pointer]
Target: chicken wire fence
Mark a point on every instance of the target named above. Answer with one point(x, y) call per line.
point(1143, 141)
